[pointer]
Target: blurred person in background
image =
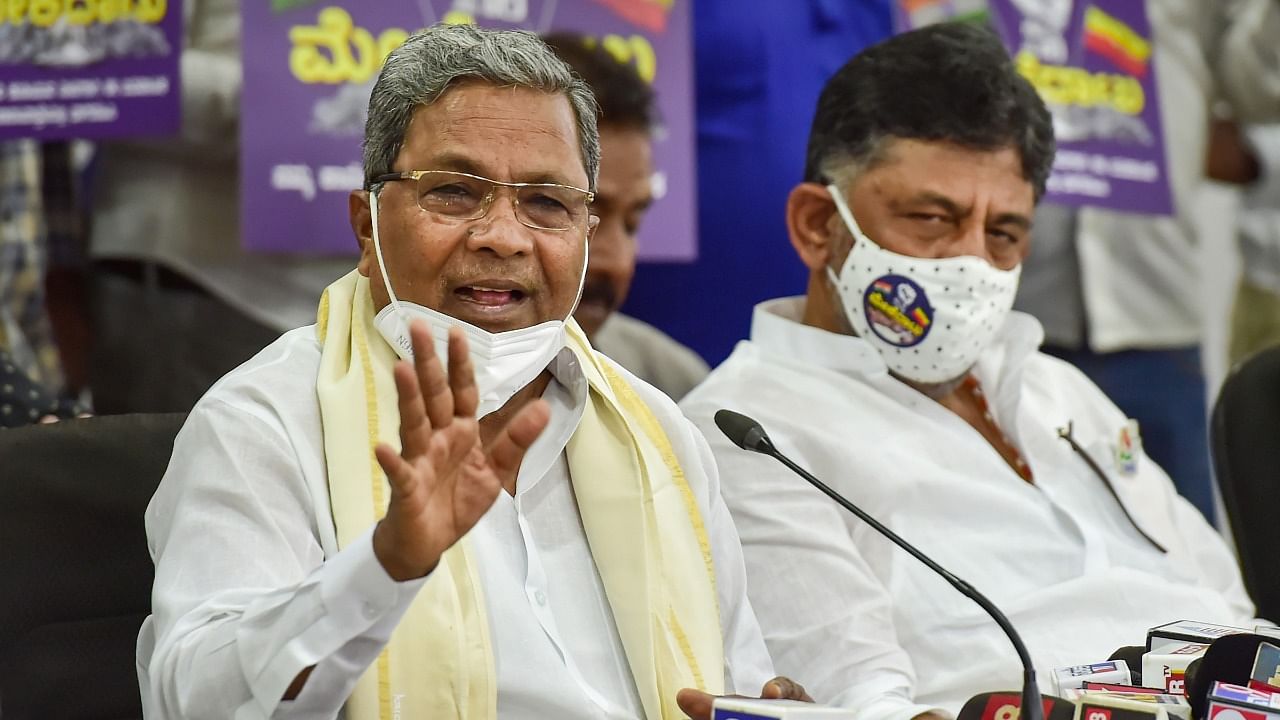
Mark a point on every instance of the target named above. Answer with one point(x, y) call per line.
point(177, 302)
point(759, 66)
point(1255, 316)
point(1120, 294)
point(624, 192)
point(32, 384)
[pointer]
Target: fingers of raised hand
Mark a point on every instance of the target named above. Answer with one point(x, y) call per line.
point(477, 486)
point(415, 428)
point(436, 396)
point(463, 436)
point(508, 448)
point(462, 375)
point(400, 472)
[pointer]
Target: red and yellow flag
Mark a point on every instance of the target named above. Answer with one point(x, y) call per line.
point(650, 15)
point(1116, 41)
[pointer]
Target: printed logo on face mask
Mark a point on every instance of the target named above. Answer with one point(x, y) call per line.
point(898, 310)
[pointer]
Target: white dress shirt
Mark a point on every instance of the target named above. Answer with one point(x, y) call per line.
point(251, 588)
point(869, 627)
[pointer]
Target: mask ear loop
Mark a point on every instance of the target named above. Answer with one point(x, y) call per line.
point(847, 215)
point(382, 268)
point(582, 278)
point(850, 224)
point(377, 249)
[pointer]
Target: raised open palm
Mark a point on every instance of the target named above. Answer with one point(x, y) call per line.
point(443, 480)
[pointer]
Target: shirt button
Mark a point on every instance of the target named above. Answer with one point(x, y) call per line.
point(540, 597)
point(369, 610)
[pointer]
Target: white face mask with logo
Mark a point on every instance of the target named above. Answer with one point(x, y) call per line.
point(504, 362)
point(929, 318)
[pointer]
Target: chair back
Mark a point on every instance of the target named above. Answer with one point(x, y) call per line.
point(1245, 439)
point(75, 572)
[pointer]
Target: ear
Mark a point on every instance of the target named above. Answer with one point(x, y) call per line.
point(362, 227)
point(810, 210)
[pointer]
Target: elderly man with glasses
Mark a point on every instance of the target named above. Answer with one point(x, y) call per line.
point(439, 501)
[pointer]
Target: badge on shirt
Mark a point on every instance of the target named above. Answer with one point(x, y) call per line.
point(1128, 447)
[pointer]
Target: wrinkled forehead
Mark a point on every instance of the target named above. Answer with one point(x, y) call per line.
point(936, 168)
point(504, 133)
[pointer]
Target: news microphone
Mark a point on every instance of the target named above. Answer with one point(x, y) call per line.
point(748, 434)
point(1132, 656)
point(1117, 706)
point(1074, 677)
point(1229, 659)
point(1007, 706)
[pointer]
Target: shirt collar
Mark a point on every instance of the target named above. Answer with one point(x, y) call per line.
point(567, 395)
point(777, 328)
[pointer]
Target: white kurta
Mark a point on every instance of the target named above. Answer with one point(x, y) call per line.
point(869, 627)
point(251, 588)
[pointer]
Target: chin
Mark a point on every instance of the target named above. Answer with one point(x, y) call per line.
point(935, 390)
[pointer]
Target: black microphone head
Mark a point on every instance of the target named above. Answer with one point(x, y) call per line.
point(1132, 656)
point(743, 431)
point(1229, 659)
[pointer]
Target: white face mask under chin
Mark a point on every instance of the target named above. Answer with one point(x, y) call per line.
point(928, 318)
point(504, 362)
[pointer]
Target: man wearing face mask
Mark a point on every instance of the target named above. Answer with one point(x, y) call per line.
point(623, 196)
point(532, 532)
point(903, 380)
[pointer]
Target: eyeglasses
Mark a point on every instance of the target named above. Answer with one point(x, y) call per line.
point(542, 206)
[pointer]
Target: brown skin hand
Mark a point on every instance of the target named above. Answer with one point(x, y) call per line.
point(1228, 157)
point(698, 704)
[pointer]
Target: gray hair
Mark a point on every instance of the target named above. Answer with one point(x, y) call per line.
point(421, 70)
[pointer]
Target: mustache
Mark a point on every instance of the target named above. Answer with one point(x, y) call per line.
point(599, 290)
point(526, 277)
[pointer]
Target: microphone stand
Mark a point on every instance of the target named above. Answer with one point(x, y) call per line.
point(755, 439)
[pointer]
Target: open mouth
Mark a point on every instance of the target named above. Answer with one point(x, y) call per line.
point(490, 297)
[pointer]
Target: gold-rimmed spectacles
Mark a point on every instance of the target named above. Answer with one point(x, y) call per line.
point(463, 196)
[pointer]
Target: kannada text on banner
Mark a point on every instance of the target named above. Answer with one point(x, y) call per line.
point(310, 65)
point(89, 68)
point(1093, 63)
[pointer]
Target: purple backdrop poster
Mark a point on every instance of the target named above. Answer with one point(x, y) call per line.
point(1094, 65)
point(83, 69)
point(309, 67)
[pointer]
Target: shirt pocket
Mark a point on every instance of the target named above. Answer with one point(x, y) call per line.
point(1135, 482)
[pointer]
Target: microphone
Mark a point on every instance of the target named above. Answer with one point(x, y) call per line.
point(1132, 657)
point(1167, 668)
point(1074, 677)
point(747, 434)
point(1229, 659)
point(1007, 706)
